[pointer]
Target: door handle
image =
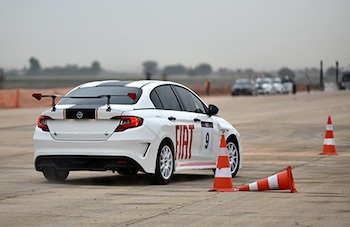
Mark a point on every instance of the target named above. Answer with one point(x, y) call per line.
point(197, 120)
point(171, 118)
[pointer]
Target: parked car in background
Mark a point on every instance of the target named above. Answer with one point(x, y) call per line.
point(243, 87)
point(265, 86)
point(345, 81)
point(287, 83)
point(280, 88)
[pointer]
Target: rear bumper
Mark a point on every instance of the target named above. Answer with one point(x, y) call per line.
point(92, 163)
point(131, 147)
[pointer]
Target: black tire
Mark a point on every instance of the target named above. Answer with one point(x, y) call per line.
point(51, 174)
point(233, 154)
point(127, 171)
point(165, 164)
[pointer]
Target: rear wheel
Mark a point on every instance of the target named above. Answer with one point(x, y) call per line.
point(164, 164)
point(233, 154)
point(51, 174)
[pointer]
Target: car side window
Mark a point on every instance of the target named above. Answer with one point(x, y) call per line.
point(167, 98)
point(190, 102)
point(155, 99)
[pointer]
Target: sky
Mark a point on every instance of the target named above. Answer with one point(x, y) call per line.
point(122, 34)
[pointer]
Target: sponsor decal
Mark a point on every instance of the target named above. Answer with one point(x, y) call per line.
point(184, 137)
point(81, 113)
point(207, 124)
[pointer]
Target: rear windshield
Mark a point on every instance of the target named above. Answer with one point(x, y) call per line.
point(119, 95)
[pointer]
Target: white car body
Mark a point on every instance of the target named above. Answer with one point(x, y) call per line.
point(287, 83)
point(265, 86)
point(280, 88)
point(81, 144)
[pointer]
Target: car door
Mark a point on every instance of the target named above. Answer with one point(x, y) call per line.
point(206, 131)
point(181, 124)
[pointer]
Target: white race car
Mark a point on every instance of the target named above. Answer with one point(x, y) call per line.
point(157, 127)
point(265, 86)
point(280, 88)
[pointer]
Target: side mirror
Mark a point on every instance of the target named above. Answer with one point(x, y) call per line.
point(213, 110)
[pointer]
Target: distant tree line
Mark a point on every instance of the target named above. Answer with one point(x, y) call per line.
point(285, 72)
point(330, 72)
point(36, 69)
point(151, 67)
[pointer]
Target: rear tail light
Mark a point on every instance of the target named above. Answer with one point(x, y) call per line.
point(127, 122)
point(42, 123)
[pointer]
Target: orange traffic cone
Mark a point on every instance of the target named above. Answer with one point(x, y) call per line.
point(223, 177)
point(279, 181)
point(328, 143)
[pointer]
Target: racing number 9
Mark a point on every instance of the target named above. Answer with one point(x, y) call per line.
point(206, 141)
point(206, 144)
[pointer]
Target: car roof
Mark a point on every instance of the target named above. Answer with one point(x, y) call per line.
point(146, 85)
point(126, 83)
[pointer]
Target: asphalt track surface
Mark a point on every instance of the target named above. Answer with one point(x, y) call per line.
point(276, 131)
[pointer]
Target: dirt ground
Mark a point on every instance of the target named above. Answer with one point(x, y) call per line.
point(276, 131)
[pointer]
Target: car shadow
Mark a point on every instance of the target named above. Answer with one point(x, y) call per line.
point(131, 180)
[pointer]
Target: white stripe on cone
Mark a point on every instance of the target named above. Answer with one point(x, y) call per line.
point(223, 173)
point(223, 151)
point(253, 186)
point(273, 182)
point(329, 141)
point(329, 128)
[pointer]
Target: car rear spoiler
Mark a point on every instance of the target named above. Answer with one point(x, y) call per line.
point(38, 96)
